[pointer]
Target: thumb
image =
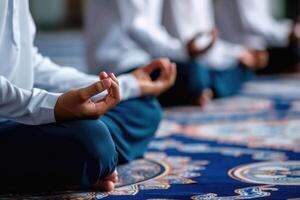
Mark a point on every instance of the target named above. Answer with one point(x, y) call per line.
point(94, 89)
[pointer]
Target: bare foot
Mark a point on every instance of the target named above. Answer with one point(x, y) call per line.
point(205, 97)
point(108, 183)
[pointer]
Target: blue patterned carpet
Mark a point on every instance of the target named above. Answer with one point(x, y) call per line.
point(243, 147)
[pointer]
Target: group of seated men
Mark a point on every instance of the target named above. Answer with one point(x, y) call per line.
point(63, 129)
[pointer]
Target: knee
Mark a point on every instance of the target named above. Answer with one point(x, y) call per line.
point(98, 150)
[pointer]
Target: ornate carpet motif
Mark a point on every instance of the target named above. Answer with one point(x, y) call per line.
point(220, 110)
point(280, 134)
point(230, 104)
point(277, 173)
point(243, 193)
point(198, 148)
point(283, 87)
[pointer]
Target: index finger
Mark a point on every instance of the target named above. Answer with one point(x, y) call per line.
point(94, 89)
point(114, 90)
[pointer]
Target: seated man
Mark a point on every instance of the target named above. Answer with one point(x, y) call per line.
point(222, 67)
point(63, 129)
point(251, 23)
point(125, 34)
point(133, 33)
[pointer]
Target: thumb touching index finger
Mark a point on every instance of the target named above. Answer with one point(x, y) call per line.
point(94, 89)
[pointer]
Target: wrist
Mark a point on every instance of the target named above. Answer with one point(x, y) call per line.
point(140, 77)
point(57, 110)
point(60, 113)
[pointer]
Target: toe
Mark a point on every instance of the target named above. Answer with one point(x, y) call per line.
point(113, 177)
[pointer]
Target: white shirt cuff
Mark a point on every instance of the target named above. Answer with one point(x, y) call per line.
point(129, 86)
point(40, 110)
point(47, 114)
point(49, 106)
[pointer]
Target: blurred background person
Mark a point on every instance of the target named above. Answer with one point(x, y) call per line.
point(223, 67)
point(70, 16)
point(124, 34)
point(252, 24)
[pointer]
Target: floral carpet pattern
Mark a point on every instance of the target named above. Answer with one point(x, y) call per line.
point(242, 147)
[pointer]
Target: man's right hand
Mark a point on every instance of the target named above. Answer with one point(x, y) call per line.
point(77, 104)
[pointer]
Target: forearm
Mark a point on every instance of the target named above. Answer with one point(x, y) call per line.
point(261, 22)
point(157, 42)
point(54, 78)
point(146, 32)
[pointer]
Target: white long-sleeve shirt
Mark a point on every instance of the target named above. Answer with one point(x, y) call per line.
point(25, 75)
point(250, 22)
point(122, 34)
point(186, 18)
